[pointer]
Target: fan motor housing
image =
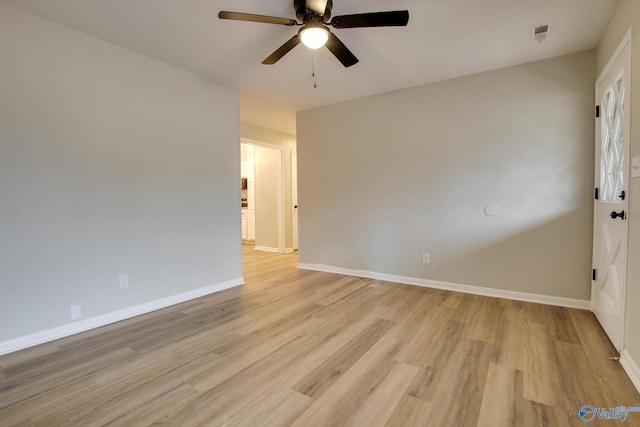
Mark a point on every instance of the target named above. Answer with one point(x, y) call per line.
point(304, 15)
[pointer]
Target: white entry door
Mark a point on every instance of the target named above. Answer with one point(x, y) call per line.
point(611, 204)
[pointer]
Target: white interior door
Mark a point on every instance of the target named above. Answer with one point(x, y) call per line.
point(269, 199)
point(611, 205)
point(294, 200)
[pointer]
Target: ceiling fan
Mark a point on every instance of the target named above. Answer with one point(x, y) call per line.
point(314, 16)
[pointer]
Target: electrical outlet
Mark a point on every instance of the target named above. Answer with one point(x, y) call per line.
point(426, 258)
point(76, 312)
point(635, 167)
point(123, 281)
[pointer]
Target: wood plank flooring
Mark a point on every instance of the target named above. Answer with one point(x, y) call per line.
point(303, 348)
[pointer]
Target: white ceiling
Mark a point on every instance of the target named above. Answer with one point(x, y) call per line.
point(444, 39)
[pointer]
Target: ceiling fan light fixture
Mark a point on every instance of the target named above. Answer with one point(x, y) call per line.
point(314, 17)
point(314, 36)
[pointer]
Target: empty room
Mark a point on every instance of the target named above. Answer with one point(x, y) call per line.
point(319, 213)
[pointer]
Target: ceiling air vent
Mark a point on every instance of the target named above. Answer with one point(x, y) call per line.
point(539, 33)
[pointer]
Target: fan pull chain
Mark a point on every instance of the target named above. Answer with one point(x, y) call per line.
point(313, 72)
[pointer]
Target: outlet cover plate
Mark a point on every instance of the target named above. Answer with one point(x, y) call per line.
point(123, 281)
point(76, 312)
point(635, 167)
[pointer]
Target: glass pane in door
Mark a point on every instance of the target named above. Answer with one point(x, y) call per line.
point(612, 136)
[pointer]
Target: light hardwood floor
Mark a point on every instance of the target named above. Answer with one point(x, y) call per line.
point(303, 348)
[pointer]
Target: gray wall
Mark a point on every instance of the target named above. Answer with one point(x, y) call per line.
point(627, 15)
point(385, 178)
point(110, 163)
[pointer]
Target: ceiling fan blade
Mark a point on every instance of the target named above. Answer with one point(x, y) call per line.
point(317, 6)
point(340, 51)
point(396, 18)
point(282, 50)
point(237, 16)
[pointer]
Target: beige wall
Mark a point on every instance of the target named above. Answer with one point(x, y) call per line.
point(270, 136)
point(411, 171)
point(110, 163)
point(626, 16)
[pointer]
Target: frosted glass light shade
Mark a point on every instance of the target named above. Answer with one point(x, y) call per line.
point(314, 37)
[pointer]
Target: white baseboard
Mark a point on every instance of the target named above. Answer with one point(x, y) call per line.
point(116, 316)
point(270, 249)
point(631, 368)
point(467, 289)
point(266, 249)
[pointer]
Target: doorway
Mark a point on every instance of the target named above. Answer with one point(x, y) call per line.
point(268, 200)
point(248, 193)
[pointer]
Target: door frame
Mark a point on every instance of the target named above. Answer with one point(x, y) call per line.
point(625, 44)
